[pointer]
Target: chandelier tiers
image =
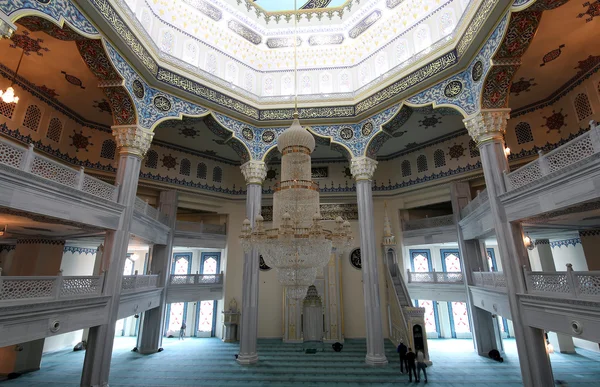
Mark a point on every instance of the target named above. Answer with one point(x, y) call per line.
point(297, 245)
point(9, 96)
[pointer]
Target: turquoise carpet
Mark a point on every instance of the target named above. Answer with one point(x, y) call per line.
point(210, 362)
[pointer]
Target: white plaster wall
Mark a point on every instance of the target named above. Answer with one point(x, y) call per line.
point(569, 254)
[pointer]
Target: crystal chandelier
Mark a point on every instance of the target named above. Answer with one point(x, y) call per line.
point(8, 96)
point(297, 245)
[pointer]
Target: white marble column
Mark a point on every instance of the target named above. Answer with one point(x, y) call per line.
point(151, 327)
point(362, 169)
point(133, 142)
point(6, 26)
point(487, 128)
point(484, 326)
point(254, 172)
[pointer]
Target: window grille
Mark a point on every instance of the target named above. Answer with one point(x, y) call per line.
point(439, 158)
point(33, 115)
point(406, 170)
point(109, 148)
point(54, 130)
point(151, 159)
point(523, 133)
point(217, 174)
point(582, 106)
point(185, 167)
point(422, 163)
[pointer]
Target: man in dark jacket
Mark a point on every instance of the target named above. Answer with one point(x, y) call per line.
point(410, 364)
point(402, 349)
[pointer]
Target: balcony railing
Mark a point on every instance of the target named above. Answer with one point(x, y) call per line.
point(435, 277)
point(49, 288)
point(480, 199)
point(196, 279)
point(576, 150)
point(569, 284)
point(491, 280)
point(135, 283)
point(146, 209)
point(201, 227)
point(25, 159)
point(436, 221)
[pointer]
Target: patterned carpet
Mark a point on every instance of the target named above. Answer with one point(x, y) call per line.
point(210, 362)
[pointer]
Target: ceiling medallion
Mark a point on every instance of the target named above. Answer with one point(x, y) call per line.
point(162, 103)
point(138, 88)
point(346, 133)
point(188, 132)
point(244, 32)
point(355, 260)
point(73, 80)
point(268, 136)
point(453, 89)
point(248, 134)
point(322, 40)
point(364, 24)
point(283, 42)
point(477, 71)
point(367, 129)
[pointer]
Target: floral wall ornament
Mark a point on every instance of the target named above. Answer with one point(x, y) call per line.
point(80, 141)
point(48, 91)
point(169, 162)
point(521, 86)
point(555, 122)
point(592, 11)
point(188, 132)
point(103, 106)
point(73, 80)
point(456, 151)
point(552, 55)
point(268, 136)
point(429, 121)
point(28, 44)
point(248, 134)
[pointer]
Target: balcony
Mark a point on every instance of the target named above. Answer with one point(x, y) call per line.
point(476, 217)
point(438, 286)
point(138, 294)
point(438, 229)
point(34, 183)
point(195, 287)
point(200, 234)
point(37, 307)
point(149, 223)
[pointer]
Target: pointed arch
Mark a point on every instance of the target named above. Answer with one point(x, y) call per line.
point(201, 171)
point(439, 158)
point(381, 64)
point(217, 176)
point(345, 81)
point(167, 41)
point(185, 167)
point(191, 51)
point(232, 72)
point(211, 63)
point(422, 38)
point(325, 82)
point(406, 168)
point(268, 86)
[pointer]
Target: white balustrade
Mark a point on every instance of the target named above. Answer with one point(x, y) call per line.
point(436, 221)
point(25, 159)
point(134, 283)
point(568, 284)
point(442, 277)
point(492, 279)
point(146, 209)
point(196, 279)
point(480, 199)
point(576, 150)
point(26, 288)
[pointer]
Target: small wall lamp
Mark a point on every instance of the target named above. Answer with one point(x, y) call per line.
point(507, 151)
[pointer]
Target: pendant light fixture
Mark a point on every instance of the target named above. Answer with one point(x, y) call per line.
point(9, 96)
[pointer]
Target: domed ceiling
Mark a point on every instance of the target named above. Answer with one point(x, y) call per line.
point(345, 48)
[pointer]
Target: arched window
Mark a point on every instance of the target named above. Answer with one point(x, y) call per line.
point(146, 20)
point(364, 75)
point(422, 163)
point(7, 109)
point(185, 167)
point(108, 150)
point(268, 86)
point(217, 174)
point(406, 170)
point(249, 81)
point(182, 265)
point(451, 260)
point(345, 82)
point(439, 158)
point(211, 63)
point(167, 41)
point(381, 65)
point(523, 133)
point(151, 159)
point(325, 83)
point(190, 52)
point(231, 73)
point(473, 149)
point(201, 171)
point(287, 85)
point(422, 38)
point(402, 51)
point(306, 84)
point(447, 22)
point(582, 106)
point(54, 130)
point(33, 115)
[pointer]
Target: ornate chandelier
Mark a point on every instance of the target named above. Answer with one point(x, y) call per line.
point(298, 245)
point(8, 96)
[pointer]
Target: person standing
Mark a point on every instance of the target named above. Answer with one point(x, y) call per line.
point(402, 349)
point(182, 331)
point(410, 365)
point(421, 365)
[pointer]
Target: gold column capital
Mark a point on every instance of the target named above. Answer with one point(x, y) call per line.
point(132, 139)
point(254, 171)
point(363, 168)
point(487, 124)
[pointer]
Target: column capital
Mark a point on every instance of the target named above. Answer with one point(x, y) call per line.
point(362, 168)
point(254, 171)
point(488, 124)
point(6, 26)
point(132, 139)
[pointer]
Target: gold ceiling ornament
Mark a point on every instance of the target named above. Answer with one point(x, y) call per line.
point(297, 245)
